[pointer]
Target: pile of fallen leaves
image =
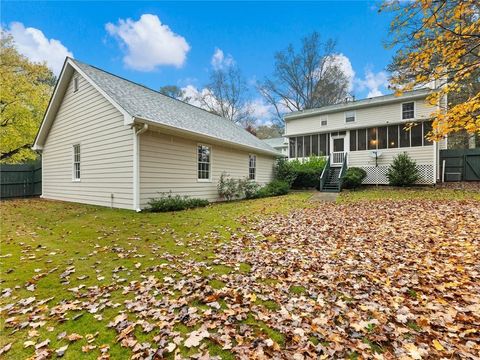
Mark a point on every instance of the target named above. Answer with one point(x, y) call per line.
point(365, 280)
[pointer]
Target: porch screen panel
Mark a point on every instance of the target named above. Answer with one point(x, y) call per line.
point(382, 137)
point(393, 136)
point(307, 146)
point(372, 138)
point(315, 145)
point(299, 146)
point(362, 139)
point(293, 146)
point(323, 144)
point(427, 127)
point(404, 136)
point(353, 140)
point(416, 135)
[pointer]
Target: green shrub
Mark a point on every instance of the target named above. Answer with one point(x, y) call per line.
point(248, 188)
point(403, 171)
point(169, 202)
point(308, 172)
point(353, 177)
point(273, 188)
point(284, 170)
point(228, 188)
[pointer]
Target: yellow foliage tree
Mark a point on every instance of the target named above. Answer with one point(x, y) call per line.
point(25, 91)
point(439, 40)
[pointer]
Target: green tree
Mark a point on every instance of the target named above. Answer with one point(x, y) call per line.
point(403, 171)
point(26, 90)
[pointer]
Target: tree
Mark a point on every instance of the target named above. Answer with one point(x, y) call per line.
point(305, 79)
point(26, 90)
point(226, 95)
point(439, 41)
point(269, 131)
point(403, 171)
point(172, 91)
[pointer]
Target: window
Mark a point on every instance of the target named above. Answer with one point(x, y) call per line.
point(252, 165)
point(323, 121)
point(75, 84)
point(76, 162)
point(393, 136)
point(350, 116)
point(353, 140)
point(315, 145)
point(408, 111)
point(427, 127)
point(382, 137)
point(372, 139)
point(416, 135)
point(404, 137)
point(300, 147)
point(292, 147)
point(362, 139)
point(203, 155)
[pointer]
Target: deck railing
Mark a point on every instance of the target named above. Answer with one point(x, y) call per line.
point(337, 157)
point(323, 176)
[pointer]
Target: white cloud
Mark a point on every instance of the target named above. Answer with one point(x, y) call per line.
point(33, 44)
point(373, 82)
point(220, 61)
point(148, 43)
point(346, 66)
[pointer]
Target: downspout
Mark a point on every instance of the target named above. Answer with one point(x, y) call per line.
point(136, 165)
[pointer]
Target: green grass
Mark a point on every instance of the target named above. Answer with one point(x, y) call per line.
point(44, 235)
point(389, 193)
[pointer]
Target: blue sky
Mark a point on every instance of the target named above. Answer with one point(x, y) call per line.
point(191, 32)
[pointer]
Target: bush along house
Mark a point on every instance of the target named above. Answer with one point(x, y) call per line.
point(368, 134)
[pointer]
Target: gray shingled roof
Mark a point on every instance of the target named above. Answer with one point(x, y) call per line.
point(142, 102)
point(275, 142)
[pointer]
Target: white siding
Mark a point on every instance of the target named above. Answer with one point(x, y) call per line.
point(365, 117)
point(423, 155)
point(106, 147)
point(169, 163)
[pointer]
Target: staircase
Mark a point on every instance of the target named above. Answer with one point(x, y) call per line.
point(332, 181)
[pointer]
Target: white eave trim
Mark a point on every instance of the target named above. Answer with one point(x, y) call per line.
point(207, 138)
point(365, 103)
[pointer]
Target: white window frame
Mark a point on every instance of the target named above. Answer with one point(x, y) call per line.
point(414, 110)
point(354, 117)
point(209, 163)
point(76, 84)
point(254, 157)
point(75, 162)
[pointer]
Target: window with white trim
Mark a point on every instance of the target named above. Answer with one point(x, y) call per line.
point(76, 162)
point(408, 111)
point(203, 157)
point(323, 121)
point(75, 84)
point(252, 166)
point(349, 116)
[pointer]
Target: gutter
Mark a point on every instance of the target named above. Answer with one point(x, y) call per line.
point(136, 165)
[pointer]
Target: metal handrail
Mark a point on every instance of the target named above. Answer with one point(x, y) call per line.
point(342, 171)
point(324, 171)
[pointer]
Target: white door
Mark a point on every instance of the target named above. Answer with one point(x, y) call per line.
point(338, 150)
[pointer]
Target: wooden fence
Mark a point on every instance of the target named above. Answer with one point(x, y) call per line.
point(461, 165)
point(20, 180)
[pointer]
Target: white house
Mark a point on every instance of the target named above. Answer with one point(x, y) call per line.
point(108, 141)
point(280, 144)
point(368, 133)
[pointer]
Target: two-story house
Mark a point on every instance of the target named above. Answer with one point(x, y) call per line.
point(368, 134)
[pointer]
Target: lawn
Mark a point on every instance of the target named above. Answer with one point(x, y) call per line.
point(374, 274)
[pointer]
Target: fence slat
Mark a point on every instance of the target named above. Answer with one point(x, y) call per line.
point(20, 180)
